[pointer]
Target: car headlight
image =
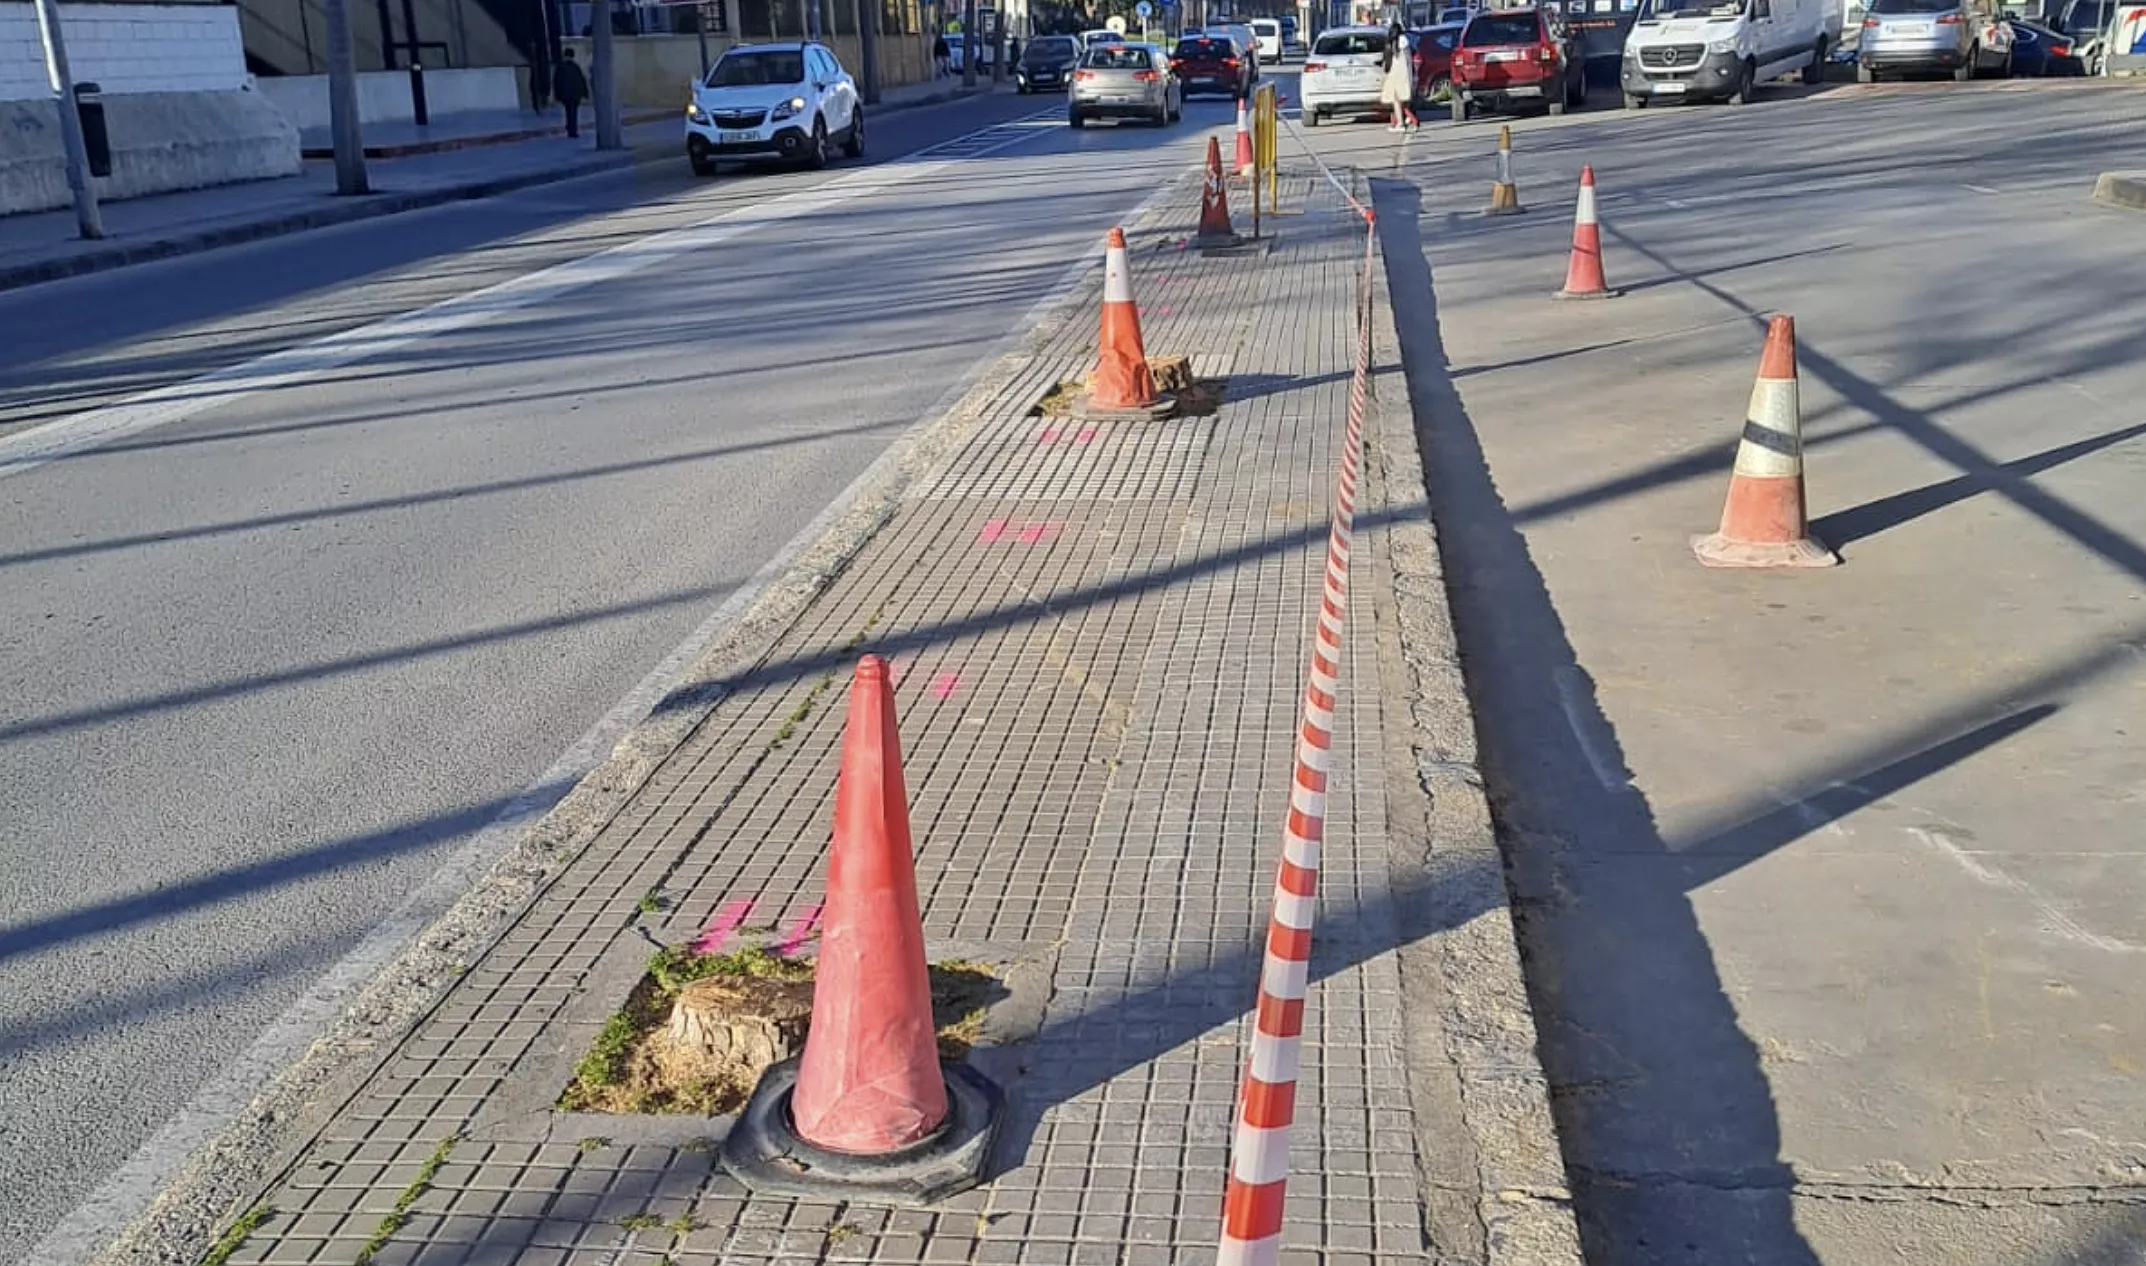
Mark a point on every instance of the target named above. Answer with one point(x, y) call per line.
point(1722, 46)
point(788, 109)
point(693, 113)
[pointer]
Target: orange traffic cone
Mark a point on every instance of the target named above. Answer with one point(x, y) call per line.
point(1215, 227)
point(1244, 139)
point(1764, 523)
point(1583, 274)
point(1124, 385)
point(868, 1111)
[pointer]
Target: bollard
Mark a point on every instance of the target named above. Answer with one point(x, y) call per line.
point(1505, 195)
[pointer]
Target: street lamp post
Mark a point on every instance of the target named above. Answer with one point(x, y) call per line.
point(87, 216)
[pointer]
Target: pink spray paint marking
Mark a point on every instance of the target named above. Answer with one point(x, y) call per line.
point(944, 685)
point(799, 933)
point(993, 530)
point(1034, 532)
point(727, 920)
point(896, 670)
point(1086, 435)
point(1165, 310)
point(1049, 436)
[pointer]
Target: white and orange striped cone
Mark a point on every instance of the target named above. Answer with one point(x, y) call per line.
point(1583, 273)
point(1765, 523)
point(1244, 139)
point(1123, 384)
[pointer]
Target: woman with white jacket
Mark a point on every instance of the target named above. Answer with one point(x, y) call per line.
point(1398, 92)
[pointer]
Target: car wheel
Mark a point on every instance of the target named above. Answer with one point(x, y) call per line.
point(1076, 118)
point(1311, 118)
point(699, 159)
point(1865, 75)
point(853, 147)
point(1744, 83)
point(1965, 70)
point(1441, 90)
point(816, 148)
point(1815, 73)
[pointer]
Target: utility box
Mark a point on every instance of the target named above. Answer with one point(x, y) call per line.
point(89, 105)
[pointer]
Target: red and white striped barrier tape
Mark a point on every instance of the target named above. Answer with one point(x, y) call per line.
point(1253, 1199)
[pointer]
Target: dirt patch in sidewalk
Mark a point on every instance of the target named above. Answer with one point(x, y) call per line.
point(699, 1029)
point(1196, 397)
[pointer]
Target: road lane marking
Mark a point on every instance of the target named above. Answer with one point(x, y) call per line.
point(295, 366)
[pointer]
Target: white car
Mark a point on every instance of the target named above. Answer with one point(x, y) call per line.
point(1343, 73)
point(787, 102)
point(1268, 34)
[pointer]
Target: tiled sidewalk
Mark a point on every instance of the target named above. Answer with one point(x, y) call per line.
point(1100, 636)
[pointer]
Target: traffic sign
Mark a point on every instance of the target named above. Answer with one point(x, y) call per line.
point(1144, 10)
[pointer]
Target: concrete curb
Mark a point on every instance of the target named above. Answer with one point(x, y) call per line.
point(479, 140)
point(2125, 189)
point(148, 249)
point(251, 1152)
point(1495, 1179)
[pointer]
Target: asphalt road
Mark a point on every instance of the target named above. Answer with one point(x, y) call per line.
point(1831, 884)
point(271, 652)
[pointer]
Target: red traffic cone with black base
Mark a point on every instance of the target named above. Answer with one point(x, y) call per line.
point(1765, 523)
point(1583, 272)
point(1215, 227)
point(868, 1113)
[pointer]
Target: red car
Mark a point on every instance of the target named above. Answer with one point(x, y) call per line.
point(1432, 49)
point(1509, 56)
point(1211, 64)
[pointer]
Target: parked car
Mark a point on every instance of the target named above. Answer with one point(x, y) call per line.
point(1342, 73)
point(1089, 39)
point(1267, 37)
point(2041, 51)
point(1925, 35)
point(1246, 40)
point(1210, 63)
point(1433, 53)
point(789, 102)
point(1124, 81)
point(1517, 55)
point(1046, 64)
point(1455, 16)
point(1719, 50)
point(2087, 22)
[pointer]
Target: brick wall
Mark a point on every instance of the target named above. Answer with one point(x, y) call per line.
point(126, 48)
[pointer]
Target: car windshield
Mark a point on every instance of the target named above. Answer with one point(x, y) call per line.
point(1914, 6)
point(1492, 30)
point(1266, 28)
point(1205, 50)
point(1436, 37)
point(1690, 9)
point(2087, 19)
point(1352, 44)
point(1118, 57)
point(1049, 49)
point(752, 70)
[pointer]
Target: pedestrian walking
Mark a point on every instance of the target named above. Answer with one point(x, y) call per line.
point(1398, 92)
point(571, 87)
point(942, 57)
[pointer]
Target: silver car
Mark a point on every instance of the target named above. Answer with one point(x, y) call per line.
point(1922, 35)
point(1124, 81)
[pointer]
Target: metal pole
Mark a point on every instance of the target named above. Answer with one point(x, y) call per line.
point(998, 43)
point(604, 84)
point(868, 12)
point(87, 217)
point(971, 47)
point(343, 102)
point(700, 32)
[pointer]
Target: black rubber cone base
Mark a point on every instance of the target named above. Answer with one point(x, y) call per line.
point(765, 1153)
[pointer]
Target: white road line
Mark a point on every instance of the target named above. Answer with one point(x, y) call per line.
point(2054, 921)
point(124, 1196)
point(26, 450)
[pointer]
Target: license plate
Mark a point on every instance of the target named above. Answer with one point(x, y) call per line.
point(1501, 57)
point(736, 138)
point(1908, 28)
point(1670, 88)
point(1524, 90)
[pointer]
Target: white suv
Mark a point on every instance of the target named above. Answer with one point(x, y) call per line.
point(788, 102)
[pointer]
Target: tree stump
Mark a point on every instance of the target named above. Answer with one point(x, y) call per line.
point(731, 1028)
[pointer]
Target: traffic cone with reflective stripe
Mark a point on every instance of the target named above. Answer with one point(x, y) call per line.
point(1764, 523)
point(1583, 273)
point(1215, 227)
point(1123, 384)
point(1244, 139)
point(1504, 194)
point(868, 1111)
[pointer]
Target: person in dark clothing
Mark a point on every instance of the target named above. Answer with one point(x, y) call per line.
point(571, 87)
point(942, 57)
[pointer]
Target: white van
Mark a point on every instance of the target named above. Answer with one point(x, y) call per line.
point(1268, 33)
point(1699, 50)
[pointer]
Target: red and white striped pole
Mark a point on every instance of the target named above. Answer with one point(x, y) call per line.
point(1259, 1156)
